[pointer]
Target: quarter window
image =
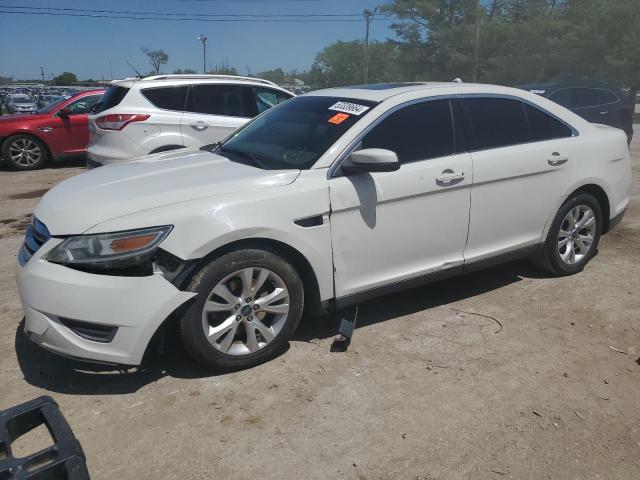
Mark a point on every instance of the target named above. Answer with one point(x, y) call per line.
point(544, 126)
point(266, 98)
point(217, 100)
point(417, 132)
point(497, 122)
point(167, 98)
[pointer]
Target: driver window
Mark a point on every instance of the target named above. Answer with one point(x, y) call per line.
point(83, 105)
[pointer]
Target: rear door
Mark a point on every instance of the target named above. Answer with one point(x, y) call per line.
point(597, 105)
point(213, 112)
point(522, 163)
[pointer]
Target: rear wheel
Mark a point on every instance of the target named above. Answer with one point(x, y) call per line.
point(24, 152)
point(249, 304)
point(573, 237)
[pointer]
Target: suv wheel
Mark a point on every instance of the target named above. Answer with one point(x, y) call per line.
point(24, 152)
point(249, 304)
point(573, 237)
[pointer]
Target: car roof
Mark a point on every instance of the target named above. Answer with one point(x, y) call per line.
point(383, 91)
point(189, 79)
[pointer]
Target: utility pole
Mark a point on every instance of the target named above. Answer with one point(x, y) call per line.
point(44, 84)
point(368, 17)
point(202, 38)
point(477, 53)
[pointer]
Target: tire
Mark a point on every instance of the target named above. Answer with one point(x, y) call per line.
point(557, 259)
point(263, 314)
point(24, 152)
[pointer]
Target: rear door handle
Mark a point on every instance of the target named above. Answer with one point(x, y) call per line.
point(604, 112)
point(449, 177)
point(555, 160)
point(199, 126)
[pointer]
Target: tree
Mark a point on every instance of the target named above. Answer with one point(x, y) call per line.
point(156, 58)
point(186, 71)
point(223, 68)
point(275, 76)
point(65, 79)
point(342, 63)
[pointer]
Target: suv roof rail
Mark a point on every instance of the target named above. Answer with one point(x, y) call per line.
point(207, 76)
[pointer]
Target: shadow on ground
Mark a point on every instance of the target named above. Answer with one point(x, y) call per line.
point(62, 375)
point(80, 161)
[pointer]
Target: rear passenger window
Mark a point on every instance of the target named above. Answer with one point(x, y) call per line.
point(544, 126)
point(416, 132)
point(217, 100)
point(591, 97)
point(497, 122)
point(167, 98)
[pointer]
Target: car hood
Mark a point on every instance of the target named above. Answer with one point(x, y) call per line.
point(112, 191)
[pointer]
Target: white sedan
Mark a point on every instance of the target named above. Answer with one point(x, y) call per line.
point(323, 201)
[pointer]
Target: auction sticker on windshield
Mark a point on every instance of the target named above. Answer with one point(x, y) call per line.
point(347, 107)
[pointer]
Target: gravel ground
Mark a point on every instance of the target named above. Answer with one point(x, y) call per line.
point(430, 389)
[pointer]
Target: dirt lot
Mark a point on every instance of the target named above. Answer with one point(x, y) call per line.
point(425, 392)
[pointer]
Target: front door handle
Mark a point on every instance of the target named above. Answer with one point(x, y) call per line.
point(604, 112)
point(555, 160)
point(200, 126)
point(449, 177)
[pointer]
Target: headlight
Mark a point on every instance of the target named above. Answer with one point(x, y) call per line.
point(108, 251)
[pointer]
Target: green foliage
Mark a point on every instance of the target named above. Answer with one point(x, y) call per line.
point(277, 75)
point(186, 71)
point(65, 79)
point(342, 63)
point(223, 68)
point(520, 41)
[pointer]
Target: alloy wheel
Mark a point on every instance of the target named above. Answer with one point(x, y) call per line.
point(245, 311)
point(25, 152)
point(577, 234)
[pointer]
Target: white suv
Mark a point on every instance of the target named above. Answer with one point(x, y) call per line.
point(141, 116)
point(323, 201)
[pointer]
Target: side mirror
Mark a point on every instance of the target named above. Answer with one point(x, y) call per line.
point(64, 112)
point(370, 160)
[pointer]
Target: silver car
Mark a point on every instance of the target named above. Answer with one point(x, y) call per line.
point(21, 103)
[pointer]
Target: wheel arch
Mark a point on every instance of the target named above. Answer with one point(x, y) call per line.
point(602, 197)
point(166, 148)
point(301, 264)
point(31, 134)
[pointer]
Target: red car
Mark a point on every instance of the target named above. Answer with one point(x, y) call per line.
point(57, 131)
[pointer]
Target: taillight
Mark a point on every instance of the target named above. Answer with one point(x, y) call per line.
point(119, 121)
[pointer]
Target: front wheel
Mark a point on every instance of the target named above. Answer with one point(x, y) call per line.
point(573, 237)
point(24, 152)
point(249, 304)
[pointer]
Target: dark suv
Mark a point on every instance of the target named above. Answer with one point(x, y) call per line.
point(594, 102)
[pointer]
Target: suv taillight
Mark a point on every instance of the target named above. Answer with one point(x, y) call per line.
point(119, 121)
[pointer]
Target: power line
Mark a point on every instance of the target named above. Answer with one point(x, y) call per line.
point(129, 12)
point(186, 19)
point(173, 14)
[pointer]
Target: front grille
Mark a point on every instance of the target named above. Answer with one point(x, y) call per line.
point(37, 235)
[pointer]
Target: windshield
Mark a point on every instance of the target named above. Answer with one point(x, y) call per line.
point(294, 134)
point(21, 100)
point(52, 106)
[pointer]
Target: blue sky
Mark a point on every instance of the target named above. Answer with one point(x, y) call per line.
point(93, 47)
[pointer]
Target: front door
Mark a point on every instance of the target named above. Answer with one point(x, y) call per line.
point(70, 133)
point(394, 226)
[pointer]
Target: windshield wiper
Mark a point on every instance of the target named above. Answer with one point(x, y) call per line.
point(212, 147)
point(246, 155)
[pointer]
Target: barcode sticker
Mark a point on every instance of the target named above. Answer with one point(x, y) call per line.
point(347, 107)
